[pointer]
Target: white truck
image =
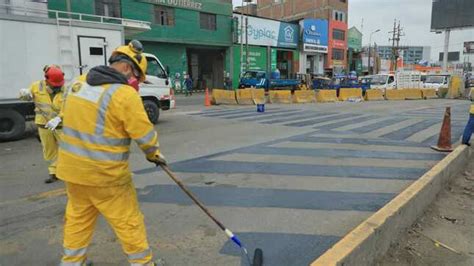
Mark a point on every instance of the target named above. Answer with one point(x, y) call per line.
point(437, 81)
point(33, 36)
point(399, 80)
point(383, 81)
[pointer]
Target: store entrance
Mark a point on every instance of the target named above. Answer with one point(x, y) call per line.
point(285, 63)
point(206, 67)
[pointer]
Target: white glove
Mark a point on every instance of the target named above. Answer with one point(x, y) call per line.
point(53, 123)
point(25, 94)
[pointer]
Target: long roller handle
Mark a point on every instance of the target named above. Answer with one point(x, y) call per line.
point(198, 203)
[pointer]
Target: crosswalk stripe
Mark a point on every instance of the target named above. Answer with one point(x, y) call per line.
point(268, 198)
point(361, 124)
point(297, 221)
point(377, 126)
point(406, 132)
point(327, 120)
point(305, 117)
point(386, 148)
point(424, 134)
point(337, 124)
point(226, 167)
point(319, 183)
point(344, 153)
point(385, 130)
point(369, 162)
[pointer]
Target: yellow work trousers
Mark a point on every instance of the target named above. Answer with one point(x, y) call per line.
point(119, 206)
point(50, 141)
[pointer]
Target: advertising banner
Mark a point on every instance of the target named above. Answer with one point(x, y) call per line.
point(265, 32)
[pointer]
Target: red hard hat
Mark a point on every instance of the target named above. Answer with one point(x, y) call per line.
point(54, 77)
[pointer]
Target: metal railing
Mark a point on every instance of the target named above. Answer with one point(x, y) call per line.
point(25, 10)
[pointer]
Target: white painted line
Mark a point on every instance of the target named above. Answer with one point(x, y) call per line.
point(306, 160)
point(359, 147)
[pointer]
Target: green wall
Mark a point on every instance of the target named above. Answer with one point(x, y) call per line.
point(221, 7)
point(187, 23)
point(171, 55)
point(77, 6)
point(186, 29)
point(258, 61)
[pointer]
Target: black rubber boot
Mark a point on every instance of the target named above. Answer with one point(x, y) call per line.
point(52, 178)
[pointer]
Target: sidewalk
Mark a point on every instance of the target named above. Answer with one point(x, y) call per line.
point(444, 235)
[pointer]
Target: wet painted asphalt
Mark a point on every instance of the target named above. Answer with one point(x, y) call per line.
point(310, 174)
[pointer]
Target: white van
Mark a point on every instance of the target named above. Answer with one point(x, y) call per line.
point(383, 81)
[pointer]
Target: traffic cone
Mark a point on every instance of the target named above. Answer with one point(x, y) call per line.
point(207, 100)
point(444, 141)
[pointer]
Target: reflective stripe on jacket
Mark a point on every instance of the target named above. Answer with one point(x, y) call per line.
point(46, 107)
point(99, 123)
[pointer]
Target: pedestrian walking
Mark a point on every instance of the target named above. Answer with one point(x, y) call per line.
point(188, 84)
point(47, 96)
point(469, 130)
point(101, 115)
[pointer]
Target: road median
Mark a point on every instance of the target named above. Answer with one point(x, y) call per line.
point(372, 238)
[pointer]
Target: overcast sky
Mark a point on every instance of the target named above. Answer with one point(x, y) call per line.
point(414, 16)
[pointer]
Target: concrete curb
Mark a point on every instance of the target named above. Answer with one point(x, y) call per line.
point(372, 238)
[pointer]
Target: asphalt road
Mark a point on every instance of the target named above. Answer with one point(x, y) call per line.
point(291, 181)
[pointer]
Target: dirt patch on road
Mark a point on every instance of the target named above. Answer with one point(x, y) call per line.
point(444, 235)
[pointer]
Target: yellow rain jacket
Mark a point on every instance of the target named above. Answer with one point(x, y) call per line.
point(47, 104)
point(99, 122)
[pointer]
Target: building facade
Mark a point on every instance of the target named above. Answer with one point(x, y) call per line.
point(354, 52)
point(189, 37)
point(334, 11)
point(314, 45)
point(268, 45)
point(411, 54)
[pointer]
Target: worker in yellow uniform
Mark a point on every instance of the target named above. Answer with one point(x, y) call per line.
point(101, 115)
point(48, 98)
point(469, 130)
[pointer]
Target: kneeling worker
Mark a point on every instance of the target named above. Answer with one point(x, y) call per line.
point(101, 115)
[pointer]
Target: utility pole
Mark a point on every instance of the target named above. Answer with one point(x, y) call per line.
point(396, 36)
point(247, 39)
point(447, 32)
point(370, 52)
point(242, 38)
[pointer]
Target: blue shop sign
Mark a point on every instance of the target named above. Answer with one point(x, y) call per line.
point(315, 31)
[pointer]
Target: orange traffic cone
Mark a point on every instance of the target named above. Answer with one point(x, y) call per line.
point(207, 100)
point(444, 142)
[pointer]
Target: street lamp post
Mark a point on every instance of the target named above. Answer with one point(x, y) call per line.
point(242, 36)
point(370, 50)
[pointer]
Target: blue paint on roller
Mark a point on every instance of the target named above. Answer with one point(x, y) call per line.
point(283, 249)
point(236, 241)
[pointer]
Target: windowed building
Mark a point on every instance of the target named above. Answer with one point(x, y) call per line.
point(334, 11)
point(411, 54)
point(189, 36)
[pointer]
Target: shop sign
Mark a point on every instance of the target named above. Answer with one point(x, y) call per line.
point(257, 58)
point(265, 32)
point(311, 48)
point(315, 31)
point(190, 4)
